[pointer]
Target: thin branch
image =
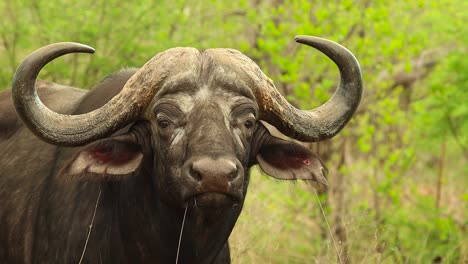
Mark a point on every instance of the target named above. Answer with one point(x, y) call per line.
point(329, 229)
point(453, 131)
point(440, 175)
point(90, 226)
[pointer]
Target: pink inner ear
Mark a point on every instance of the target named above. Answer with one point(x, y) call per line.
point(296, 162)
point(102, 156)
point(281, 161)
point(114, 155)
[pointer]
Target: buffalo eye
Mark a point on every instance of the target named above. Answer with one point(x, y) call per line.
point(248, 124)
point(163, 123)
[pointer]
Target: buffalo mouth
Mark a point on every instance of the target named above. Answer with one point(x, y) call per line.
point(214, 199)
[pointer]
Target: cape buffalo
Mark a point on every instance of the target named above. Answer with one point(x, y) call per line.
point(113, 174)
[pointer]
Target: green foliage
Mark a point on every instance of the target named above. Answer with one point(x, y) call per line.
point(124, 34)
point(418, 233)
point(445, 111)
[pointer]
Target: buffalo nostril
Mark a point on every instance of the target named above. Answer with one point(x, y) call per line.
point(233, 174)
point(194, 173)
point(210, 170)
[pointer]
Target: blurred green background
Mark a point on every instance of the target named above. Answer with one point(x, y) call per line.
point(398, 172)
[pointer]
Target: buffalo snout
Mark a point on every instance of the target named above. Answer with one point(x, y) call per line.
point(216, 181)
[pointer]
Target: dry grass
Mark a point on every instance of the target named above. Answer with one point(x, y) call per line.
point(281, 223)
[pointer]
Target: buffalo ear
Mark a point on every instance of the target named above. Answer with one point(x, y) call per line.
point(286, 160)
point(106, 159)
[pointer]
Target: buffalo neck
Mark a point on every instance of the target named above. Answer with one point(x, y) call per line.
point(150, 228)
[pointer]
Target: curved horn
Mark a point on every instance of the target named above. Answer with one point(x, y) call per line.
point(69, 130)
point(328, 119)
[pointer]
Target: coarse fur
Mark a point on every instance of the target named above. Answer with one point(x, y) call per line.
point(194, 147)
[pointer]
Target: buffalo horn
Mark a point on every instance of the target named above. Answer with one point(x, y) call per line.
point(61, 129)
point(326, 120)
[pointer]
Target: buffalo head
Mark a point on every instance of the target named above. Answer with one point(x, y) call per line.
point(191, 121)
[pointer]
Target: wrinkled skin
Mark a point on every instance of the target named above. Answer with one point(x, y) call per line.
point(193, 148)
